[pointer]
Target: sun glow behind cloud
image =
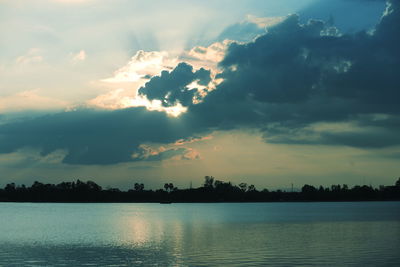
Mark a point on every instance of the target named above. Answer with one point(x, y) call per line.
point(142, 66)
point(265, 22)
point(145, 65)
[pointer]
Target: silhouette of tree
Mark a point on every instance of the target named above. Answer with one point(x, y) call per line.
point(336, 188)
point(308, 189)
point(138, 187)
point(243, 187)
point(208, 182)
point(212, 191)
point(169, 187)
point(309, 192)
point(92, 186)
point(218, 184)
point(10, 188)
point(251, 188)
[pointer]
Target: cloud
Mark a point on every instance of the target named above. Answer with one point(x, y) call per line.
point(139, 70)
point(192, 140)
point(144, 65)
point(248, 29)
point(171, 88)
point(348, 15)
point(265, 22)
point(191, 154)
point(206, 57)
point(115, 99)
point(30, 100)
point(80, 56)
point(94, 136)
point(147, 153)
point(351, 133)
point(298, 75)
point(98, 137)
point(124, 98)
point(32, 56)
point(296, 84)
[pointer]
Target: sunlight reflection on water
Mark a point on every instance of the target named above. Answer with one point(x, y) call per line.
point(275, 234)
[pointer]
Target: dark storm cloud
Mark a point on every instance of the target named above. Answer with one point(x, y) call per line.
point(294, 63)
point(171, 88)
point(274, 68)
point(348, 15)
point(92, 137)
point(299, 75)
point(381, 1)
point(284, 83)
point(368, 137)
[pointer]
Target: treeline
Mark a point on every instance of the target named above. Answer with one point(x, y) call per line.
point(211, 191)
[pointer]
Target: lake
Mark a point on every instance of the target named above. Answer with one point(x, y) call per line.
point(239, 234)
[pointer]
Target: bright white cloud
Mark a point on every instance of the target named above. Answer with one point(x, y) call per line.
point(123, 98)
point(143, 65)
point(206, 57)
point(114, 99)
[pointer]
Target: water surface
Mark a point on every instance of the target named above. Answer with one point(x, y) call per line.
point(245, 234)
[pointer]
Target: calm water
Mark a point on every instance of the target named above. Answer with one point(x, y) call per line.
point(250, 234)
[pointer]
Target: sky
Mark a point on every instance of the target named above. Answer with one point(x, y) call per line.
point(264, 92)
